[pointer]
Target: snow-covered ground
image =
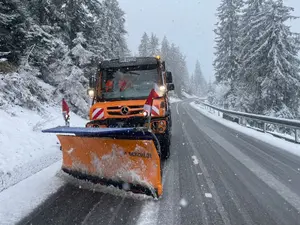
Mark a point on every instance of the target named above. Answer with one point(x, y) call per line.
point(188, 95)
point(268, 138)
point(175, 99)
point(192, 96)
point(25, 150)
point(20, 199)
point(29, 159)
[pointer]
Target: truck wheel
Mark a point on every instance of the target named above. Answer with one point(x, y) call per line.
point(165, 143)
point(170, 120)
point(165, 151)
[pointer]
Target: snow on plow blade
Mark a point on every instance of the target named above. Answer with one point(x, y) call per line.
point(127, 158)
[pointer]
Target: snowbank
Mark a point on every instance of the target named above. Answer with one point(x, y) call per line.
point(25, 150)
point(19, 200)
point(268, 138)
point(188, 95)
point(174, 99)
point(192, 96)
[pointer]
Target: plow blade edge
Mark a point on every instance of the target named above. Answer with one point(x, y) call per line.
point(126, 158)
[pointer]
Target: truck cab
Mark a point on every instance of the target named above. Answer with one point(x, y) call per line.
point(119, 91)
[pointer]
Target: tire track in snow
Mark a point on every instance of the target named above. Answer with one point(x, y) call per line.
point(149, 214)
point(84, 222)
point(285, 192)
point(169, 210)
point(151, 210)
point(246, 217)
point(220, 207)
point(112, 219)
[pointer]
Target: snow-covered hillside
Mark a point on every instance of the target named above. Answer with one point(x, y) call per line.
point(25, 150)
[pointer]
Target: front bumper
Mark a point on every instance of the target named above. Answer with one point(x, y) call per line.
point(158, 124)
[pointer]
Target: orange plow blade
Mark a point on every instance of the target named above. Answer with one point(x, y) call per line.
point(127, 158)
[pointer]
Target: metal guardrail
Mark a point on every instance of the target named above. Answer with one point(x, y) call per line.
point(293, 124)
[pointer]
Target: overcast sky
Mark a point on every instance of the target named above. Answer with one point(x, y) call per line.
point(187, 23)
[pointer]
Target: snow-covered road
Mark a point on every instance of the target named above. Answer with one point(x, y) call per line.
point(216, 175)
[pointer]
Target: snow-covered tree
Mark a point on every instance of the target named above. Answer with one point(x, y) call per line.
point(171, 54)
point(277, 51)
point(59, 43)
point(153, 45)
point(211, 93)
point(176, 63)
point(200, 84)
point(12, 31)
point(73, 88)
point(79, 54)
point(227, 45)
point(252, 25)
point(113, 23)
point(165, 49)
point(144, 46)
point(266, 58)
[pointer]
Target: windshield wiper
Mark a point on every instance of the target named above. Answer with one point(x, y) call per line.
point(134, 73)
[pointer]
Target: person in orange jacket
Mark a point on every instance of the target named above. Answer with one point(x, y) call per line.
point(109, 86)
point(123, 83)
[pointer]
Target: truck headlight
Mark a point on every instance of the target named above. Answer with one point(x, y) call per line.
point(162, 88)
point(91, 93)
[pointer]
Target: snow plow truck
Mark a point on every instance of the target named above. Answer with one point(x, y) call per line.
point(127, 137)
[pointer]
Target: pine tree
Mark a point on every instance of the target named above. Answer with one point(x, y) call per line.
point(200, 82)
point(153, 45)
point(81, 57)
point(227, 46)
point(74, 16)
point(165, 49)
point(144, 46)
point(211, 93)
point(176, 63)
point(252, 25)
point(60, 42)
point(277, 51)
point(113, 23)
point(12, 31)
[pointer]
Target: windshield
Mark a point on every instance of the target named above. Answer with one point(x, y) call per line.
point(129, 83)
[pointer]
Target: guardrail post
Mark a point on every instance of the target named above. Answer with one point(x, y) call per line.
point(265, 128)
point(297, 136)
point(242, 121)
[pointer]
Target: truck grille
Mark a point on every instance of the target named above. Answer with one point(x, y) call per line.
point(133, 110)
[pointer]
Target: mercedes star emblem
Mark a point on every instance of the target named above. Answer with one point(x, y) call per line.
point(124, 110)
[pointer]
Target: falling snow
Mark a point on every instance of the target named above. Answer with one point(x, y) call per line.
point(183, 202)
point(195, 160)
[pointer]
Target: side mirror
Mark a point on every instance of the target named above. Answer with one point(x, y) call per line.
point(171, 87)
point(169, 77)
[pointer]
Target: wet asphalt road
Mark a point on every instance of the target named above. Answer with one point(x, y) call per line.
point(215, 175)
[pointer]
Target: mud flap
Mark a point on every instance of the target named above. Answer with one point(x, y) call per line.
point(127, 158)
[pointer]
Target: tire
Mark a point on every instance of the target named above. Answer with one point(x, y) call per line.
point(165, 143)
point(170, 120)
